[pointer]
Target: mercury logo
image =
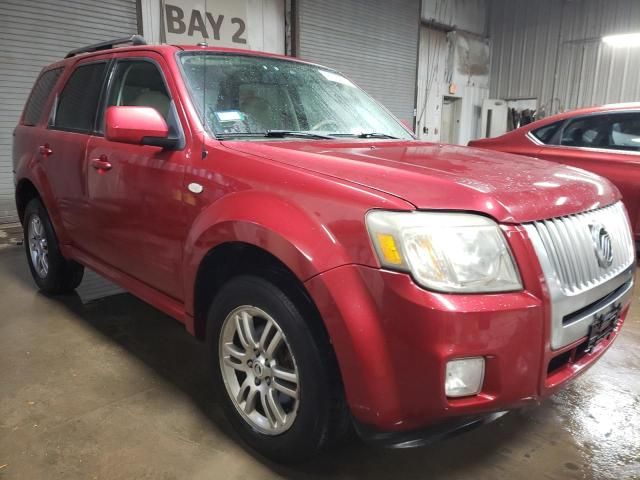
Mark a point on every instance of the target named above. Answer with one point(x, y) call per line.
point(602, 244)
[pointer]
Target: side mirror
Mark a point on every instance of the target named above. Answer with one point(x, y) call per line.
point(137, 125)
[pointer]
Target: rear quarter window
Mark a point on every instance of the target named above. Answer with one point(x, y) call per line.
point(546, 133)
point(39, 95)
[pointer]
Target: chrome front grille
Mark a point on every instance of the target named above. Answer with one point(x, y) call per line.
point(571, 250)
point(581, 270)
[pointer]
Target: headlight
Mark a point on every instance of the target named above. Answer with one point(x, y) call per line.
point(447, 252)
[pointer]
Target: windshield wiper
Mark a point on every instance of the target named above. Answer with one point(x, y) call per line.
point(376, 135)
point(365, 135)
point(272, 134)
point(294, 133)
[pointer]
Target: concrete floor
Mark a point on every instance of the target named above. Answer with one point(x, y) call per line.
point(113, 389)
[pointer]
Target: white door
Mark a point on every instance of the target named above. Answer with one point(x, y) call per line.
point(450, 128)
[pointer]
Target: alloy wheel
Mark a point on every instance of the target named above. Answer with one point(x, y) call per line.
point(38, 247)
point(259, 370)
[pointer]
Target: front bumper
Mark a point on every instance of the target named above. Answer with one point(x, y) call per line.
point(393, 340)
point(424, 436)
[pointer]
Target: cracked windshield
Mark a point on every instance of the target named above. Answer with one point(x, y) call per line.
point(253, 97)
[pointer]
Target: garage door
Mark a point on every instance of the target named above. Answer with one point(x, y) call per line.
point(34, 34)
point(374, 42)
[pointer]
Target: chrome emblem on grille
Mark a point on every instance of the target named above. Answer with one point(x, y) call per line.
point(602, 243)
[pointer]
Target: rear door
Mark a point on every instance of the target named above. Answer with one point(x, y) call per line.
point(62, 146)
point(607, 144)
point(137, 217)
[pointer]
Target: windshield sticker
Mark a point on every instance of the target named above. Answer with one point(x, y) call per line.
point(229, 116)
point(334, 77)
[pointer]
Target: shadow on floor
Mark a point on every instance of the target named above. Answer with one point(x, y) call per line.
point(163, 345)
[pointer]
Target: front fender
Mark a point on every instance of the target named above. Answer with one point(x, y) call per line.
point(300, 240)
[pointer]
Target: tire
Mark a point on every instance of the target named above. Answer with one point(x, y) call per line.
point(53, 273)
point(315, 416)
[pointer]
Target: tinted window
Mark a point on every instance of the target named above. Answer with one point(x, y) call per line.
point(140, 83)
point(39, 95)
point(546, 133)
point(590, 132)
point(79, 98)
point(625, 132)
point(619, 131)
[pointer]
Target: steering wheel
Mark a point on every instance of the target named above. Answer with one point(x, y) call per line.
point(324, 123)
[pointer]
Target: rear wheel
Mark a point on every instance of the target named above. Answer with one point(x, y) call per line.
point(273, 375)
point(50, 270)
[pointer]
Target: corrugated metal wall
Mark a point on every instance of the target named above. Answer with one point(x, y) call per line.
point(552, 50)
point(374, 42)
point(34, 34)
point(466, 15)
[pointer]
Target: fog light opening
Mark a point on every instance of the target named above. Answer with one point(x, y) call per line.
point(464, 377)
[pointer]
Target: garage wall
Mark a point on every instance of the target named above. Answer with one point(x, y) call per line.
point(374, 42)
point(465, 15)
point(433, 73)
point(34, 34)
point(454, 64)
point(552, 50)
point(454, 61)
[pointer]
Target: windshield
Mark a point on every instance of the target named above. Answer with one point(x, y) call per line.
point(245, 96)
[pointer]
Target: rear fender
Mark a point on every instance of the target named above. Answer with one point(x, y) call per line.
point(34, 173)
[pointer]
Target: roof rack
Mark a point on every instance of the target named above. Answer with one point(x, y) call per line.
point(109, 44)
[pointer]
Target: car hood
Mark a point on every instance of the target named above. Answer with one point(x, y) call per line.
point(510, 188)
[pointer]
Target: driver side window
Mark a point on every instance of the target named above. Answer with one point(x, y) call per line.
point(140, 84)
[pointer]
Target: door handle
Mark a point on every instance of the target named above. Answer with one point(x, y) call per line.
point(101, 164)
point(45, 150)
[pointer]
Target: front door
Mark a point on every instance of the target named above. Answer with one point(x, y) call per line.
point(135, 191)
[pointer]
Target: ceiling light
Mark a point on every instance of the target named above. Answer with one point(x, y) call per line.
point(624, 40)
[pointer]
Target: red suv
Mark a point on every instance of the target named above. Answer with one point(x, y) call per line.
point(343, 274)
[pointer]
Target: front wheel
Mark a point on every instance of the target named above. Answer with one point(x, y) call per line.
point(273, 374)
point(50, 270)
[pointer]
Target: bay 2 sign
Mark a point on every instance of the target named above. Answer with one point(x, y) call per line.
point(223, 23)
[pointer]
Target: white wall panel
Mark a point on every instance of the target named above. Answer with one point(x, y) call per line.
point(455, 65)
point(552, 50)
point(432, 73)
point(263, 25)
